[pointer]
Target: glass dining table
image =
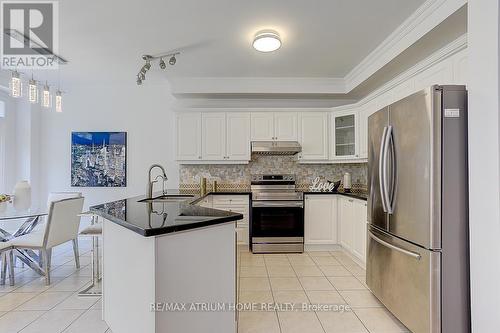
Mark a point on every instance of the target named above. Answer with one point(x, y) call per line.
point(23, 222)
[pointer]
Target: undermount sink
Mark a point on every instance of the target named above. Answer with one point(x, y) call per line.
point(169, 198)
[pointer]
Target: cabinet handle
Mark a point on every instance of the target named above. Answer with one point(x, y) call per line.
point(350, 200)
point(199, 157)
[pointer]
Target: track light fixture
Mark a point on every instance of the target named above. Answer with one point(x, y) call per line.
point(141, 76)
point(163, 65)
point(172, 60)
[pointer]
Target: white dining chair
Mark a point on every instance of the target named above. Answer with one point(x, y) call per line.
point(7, 259)
point(61, 226)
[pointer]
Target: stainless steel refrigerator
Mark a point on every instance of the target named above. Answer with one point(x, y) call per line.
point(418, 246)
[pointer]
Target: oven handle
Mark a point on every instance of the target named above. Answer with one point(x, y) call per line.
point(270, 204)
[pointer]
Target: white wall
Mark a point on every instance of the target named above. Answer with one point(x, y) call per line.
point(143, 112)
point(21, 129)
point(484, 164)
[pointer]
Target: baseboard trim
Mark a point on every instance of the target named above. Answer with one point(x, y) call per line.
point(322, 247)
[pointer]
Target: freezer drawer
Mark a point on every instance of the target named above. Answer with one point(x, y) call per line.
point(406, 279)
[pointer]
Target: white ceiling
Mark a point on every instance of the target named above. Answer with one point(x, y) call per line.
point(103, 40)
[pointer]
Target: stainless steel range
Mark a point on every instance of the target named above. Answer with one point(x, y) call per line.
point(277, 215)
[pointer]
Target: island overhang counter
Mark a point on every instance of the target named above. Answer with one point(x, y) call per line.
point(168, 266)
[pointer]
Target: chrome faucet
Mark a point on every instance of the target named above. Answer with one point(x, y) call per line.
point(149, 191)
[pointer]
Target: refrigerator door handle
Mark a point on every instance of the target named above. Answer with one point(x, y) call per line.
point(389, 188)
point(385, 182)
point(394, 174)
point(393, 247)
point(381, 170)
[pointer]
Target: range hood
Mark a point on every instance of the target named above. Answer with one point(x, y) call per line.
point(276, 147)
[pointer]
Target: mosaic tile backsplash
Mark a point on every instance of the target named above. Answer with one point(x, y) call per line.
point(238, 176)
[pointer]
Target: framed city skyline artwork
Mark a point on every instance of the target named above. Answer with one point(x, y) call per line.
point(99, 159)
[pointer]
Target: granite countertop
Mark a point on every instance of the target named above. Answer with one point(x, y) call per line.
point(159, 218)
point(359, 196)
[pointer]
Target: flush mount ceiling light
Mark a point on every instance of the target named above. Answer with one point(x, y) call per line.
point(266, 41)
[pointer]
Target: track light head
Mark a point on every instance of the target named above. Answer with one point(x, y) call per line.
point(172, 60)
point(147, 66)
point(163, 65)
point(138, 81)
point(142, 76)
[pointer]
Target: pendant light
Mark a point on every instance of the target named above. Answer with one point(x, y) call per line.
point(58, 100)
point(46, 98)
point(16, 86)
point(32, 91)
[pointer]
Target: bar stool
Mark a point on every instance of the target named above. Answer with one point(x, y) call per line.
point(94, 230)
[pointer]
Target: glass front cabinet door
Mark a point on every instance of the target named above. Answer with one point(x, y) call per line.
point(344, 135)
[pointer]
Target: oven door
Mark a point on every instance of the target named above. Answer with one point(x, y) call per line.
point(277, 226)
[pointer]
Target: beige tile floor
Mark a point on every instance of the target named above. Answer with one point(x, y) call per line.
point(310, 278)
point(315, 278)
point(31, 306)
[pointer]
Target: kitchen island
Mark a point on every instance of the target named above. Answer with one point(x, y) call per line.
point(169, 265)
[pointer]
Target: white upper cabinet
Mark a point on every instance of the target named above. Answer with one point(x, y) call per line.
point(238, 136)
point(262, 124)
point(274, 126)
point(363, 134)
point(320, 226)
point(285, 126)
point(213, 138)
point(188, 134)
point(313, 136)
point(344, 128)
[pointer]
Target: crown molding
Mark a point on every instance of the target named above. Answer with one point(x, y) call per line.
point(449, 50)
point(256, 85)
point(430, 14)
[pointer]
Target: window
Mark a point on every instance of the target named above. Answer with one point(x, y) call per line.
point(2, 146)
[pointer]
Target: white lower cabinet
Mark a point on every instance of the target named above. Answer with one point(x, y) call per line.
point(331, 219)
point(320, 225)
point(234, 203)
point(352, 219)
point(360, 225)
